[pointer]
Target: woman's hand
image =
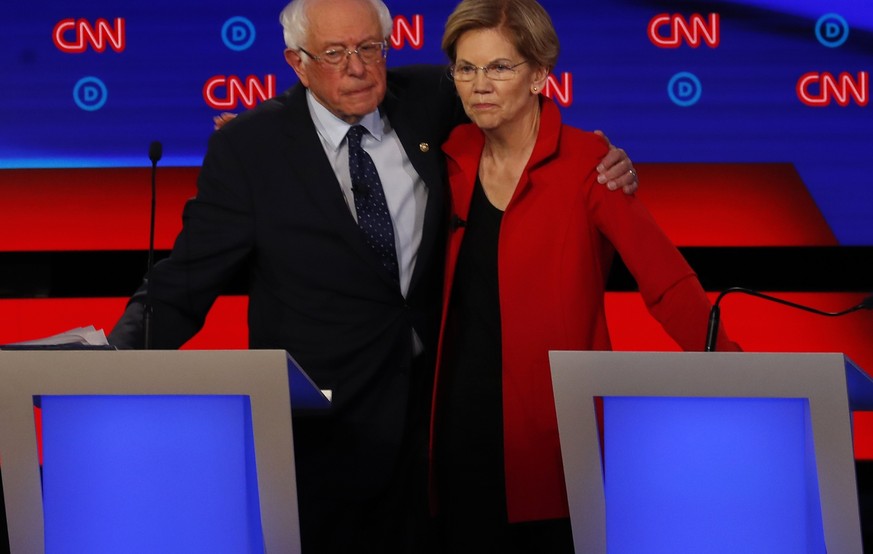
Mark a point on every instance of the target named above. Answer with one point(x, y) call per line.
point(220, 119)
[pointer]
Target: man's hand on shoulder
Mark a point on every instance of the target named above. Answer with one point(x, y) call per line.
point(616, 169)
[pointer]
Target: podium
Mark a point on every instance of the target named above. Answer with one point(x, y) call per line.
point(193, 450)
point(710, 452)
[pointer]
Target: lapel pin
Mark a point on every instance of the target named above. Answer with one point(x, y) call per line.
point(423, 146)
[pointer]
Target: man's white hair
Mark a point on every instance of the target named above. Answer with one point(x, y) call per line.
point(295, 21)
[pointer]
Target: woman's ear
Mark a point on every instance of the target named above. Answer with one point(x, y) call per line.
point(538, 79)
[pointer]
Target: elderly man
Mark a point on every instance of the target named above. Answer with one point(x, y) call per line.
point(331, 199)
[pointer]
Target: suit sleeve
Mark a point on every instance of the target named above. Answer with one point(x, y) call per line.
point(213, 246)
point(669, 286)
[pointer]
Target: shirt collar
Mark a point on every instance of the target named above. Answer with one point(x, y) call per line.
point(334, 129)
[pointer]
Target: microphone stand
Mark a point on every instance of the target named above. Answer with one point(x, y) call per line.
point(155, 151)
point(712, 328)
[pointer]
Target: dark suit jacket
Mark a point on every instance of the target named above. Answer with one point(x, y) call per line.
point(269, 204)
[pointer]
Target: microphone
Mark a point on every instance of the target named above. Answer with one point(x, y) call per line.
point(712, 327)
point(457, 222)
point(155, 153)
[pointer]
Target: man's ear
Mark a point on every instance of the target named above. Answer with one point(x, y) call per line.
point(295, 60)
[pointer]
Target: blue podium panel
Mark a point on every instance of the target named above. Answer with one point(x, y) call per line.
point(714, 475)
point(150, 474)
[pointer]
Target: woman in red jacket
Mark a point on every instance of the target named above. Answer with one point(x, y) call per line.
point(533, 238)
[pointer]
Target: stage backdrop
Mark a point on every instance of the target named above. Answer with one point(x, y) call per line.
point(91, 84)
point(748, 120)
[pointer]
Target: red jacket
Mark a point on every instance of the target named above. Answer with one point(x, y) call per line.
point(557, 240)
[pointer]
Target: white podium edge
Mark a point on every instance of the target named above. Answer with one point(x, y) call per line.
point(262, 375)
point(579, 377)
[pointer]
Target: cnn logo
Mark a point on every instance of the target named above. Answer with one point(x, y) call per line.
point(822, 89)
point(74, 36)
point(561, 91)
point(408, 32)
point(228, 92)
point(671, 31)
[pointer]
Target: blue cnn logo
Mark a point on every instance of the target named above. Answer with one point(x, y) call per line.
point(90, 94)
point(238, 33)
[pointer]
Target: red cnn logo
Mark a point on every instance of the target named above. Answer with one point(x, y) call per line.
point(404, 32)
point(560, 91)
point(73, 36)
point(820, 89)
point(695, 30)
point(223, 93)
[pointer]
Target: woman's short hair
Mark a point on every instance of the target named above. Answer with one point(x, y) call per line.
point(525, 23)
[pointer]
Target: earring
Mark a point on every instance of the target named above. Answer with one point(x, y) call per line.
point(535, 89)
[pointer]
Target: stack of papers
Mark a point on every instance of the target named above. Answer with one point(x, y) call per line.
point(84, 337)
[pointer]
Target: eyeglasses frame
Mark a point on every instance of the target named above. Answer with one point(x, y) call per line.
point(348, 54)
point(485, 69)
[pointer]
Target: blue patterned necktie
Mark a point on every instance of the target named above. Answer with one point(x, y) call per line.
point(370, 205)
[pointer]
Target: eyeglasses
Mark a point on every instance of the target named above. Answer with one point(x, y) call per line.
point(369, 53)
point(494, 71)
